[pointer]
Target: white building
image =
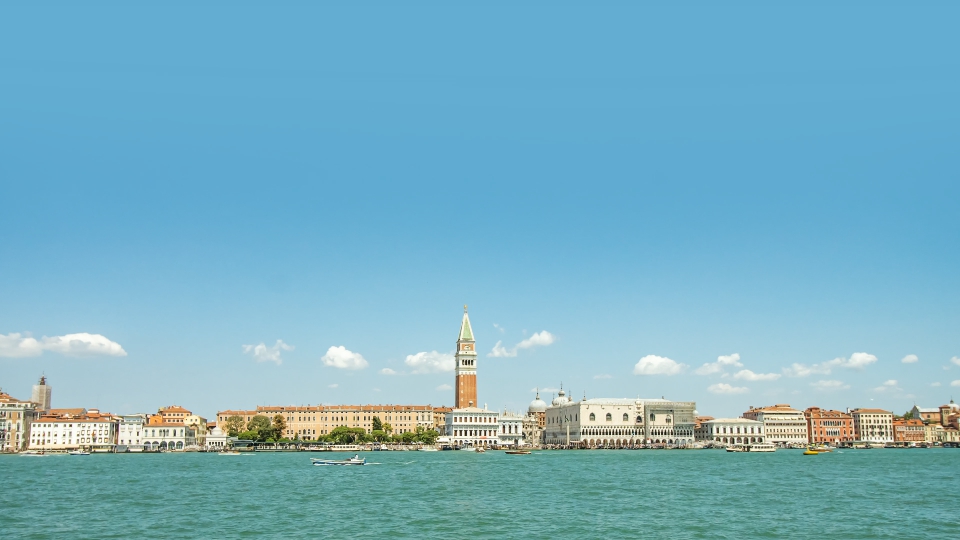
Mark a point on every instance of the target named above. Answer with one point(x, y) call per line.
point(15, 419)
point(217, 440)
point(873, 425)
point(782, 424)
point(130, 432)
point(731, 431)
point(93, 432)
point(510, 429)
point(619, 423)
point(472, 426)
point(168, 436)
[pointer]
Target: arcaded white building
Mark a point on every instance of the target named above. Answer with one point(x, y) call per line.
point(731, 431)
point(473, 426)
point(619, 422)
point(168, 436)
point(510, 432)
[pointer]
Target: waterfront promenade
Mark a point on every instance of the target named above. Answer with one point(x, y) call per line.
point(853, 494)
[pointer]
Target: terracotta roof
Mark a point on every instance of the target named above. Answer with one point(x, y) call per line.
point(173, 408)
point(870, 411)
point(72, 412)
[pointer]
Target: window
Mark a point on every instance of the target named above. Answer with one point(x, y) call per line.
point(609, 417)
point(626, 417)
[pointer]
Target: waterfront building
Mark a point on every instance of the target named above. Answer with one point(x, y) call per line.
point(908, 431)
point(949, 414)
point(130, 432)
point(730, 431)
point(926, 414)
point(473, 426)
point(510, 429)
point(199, 426)
point(535, 421)
point(173, 414)
point(42, 393)
point(92, 430)
point(15, 419)
point(538, 409)
point(782, 424)
point(440, 418)
point(619, 423)
point(873, 425)
point(465, 373)
point(828, 427)
point(310, 422)
point(217, 440)
point(160, 435)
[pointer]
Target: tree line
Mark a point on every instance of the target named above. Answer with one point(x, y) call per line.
point(261, 429)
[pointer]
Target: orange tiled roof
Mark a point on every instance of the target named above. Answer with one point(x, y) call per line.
point(870, 411)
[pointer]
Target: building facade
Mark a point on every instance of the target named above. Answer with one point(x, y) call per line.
point(93, 431)
point(782, 424)
point(472, 426)
point(828, 427)
point(311, 422)
point(130, 432)
point(618, 423)
point(166, 436)
point(728, 431)
point(15, 419)
point(873, 425)
point(908, 431)
point(510, 429)
point(465, 373)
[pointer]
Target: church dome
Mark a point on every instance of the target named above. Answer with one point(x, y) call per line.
point(537, 405)
point(561, 397)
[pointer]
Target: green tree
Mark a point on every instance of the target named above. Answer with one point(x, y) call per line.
point(379, 435)
point(347, 435)
point(234, 425)
point(387, 428)
point(261, 425)
point(279, 426)
point(408, 437)
point(249, 435)
point(427, 436)
point(377, 424)
point(908, 415)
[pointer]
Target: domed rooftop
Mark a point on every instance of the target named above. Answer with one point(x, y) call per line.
point(561, 397)
point(537, 405)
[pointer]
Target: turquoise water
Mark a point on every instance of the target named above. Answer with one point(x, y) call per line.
point(596, 494)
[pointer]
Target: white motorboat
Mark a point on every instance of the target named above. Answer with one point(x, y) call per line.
point(753, 447)
point(428, 449)
point(78, 453)
point(355, 460)
point(230, 453)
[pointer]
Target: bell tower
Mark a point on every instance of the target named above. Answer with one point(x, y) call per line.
point(466, 371)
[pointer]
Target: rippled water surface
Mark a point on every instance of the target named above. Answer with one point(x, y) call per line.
point(613, 494)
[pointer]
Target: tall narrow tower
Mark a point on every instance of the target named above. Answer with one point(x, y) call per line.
point(466, 388)
point(41, 394)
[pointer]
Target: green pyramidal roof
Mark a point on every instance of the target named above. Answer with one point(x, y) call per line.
point(466, 333)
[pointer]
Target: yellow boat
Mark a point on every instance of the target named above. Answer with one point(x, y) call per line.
point(810, 452)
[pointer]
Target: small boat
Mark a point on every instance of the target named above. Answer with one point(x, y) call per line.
point(78, 453)
point(810, 452)
point(752, 447)
point(428, 449)
point(32, 453)
point(355, 460)
point(481, 449)
point(468, 449)
point(518, 452)
point(230, 453)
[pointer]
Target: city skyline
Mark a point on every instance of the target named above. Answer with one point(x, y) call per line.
point(267, 214)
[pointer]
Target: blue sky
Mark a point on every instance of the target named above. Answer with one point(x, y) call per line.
point(677, 183)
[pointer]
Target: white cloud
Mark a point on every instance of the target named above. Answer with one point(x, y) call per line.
point(956, 360)
point(955, 383)
point(910, 359)
point(889, 386)
point(262, 353)
point(342, 358)
point(545, 390)
point(747, 375)
point(657, 365)
point(935, 384)
point(539, 339)
point(430, 362)
point(602, 376)
point(857, 361)
point(444, 387)
point(387, 371)
point(826, 386)
point(722, 362)
point(334, 385)
point(724, 388)
point(17, 345)
point(498, 327)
